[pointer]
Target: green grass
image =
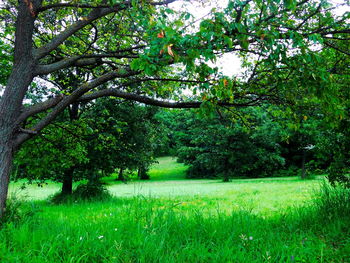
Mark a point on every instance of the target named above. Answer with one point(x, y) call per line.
point(170, 219)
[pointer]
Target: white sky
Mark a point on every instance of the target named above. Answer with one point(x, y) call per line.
point(229, 64)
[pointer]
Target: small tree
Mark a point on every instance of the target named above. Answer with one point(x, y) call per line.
point(105, 137)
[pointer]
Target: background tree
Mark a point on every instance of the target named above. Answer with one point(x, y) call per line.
point(227, 147)
point(106, 137)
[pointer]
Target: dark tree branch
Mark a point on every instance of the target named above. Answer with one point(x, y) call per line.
point(87, 6)
point(309, 16)
point(337, 48)
point(94, 15)
point(79, 61)
point(344, 31)
point(172, 80)
point(40, 107)
point(121, 73)
point(60, 38)
point(94, 40)
point(28, 131)
point(73, 5)
point(153, 101)
point(65, 63)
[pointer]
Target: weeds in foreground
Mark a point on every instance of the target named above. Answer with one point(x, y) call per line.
point(333, 201)
point(18, 211)
point(142, 229)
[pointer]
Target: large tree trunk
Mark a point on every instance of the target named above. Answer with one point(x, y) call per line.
point(10, 108)
point(6, 156)
point(121, 175)
point(12, 99)
point(303, 168)
point(142, 173)
point(226, 175)
point(67, 186)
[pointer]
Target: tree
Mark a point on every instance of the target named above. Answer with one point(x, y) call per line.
point(143, 51)
point(104, 137)
point(225, 147)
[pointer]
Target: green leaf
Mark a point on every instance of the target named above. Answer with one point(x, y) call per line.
point(290, 4)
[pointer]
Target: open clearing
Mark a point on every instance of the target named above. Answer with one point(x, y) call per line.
point(172, 219)
point(266, 195)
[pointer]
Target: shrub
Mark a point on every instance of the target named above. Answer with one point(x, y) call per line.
point(61, 198)
point(16, 211)
point(338, 173)
point(292, 170)
point(93, 190)
point(333, 201)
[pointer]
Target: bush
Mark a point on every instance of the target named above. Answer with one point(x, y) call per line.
point(338, 174)
point(333, 201)
point(292, 170)
point(91, 191)
point(61, 198)
point(16, 211)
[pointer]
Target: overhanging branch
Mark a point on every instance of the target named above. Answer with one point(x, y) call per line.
point(67, 100)
point(84, 60)
point(93, 15)
point(153, 101)
point(40, 107)
point(77, 5)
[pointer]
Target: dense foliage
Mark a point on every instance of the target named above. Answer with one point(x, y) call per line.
point(224, 148)
point(255, 142)
point(105, 137)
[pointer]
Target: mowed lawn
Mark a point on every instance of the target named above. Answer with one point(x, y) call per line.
point(173, 219)
point(266, 195)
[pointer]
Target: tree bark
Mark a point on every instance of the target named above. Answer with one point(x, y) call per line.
point(6, 157)
point(10, 107)
point(226, 175)
point(12, 99)
point(121, 175)
point(303, 168)
point(226, 178)
point(67, 186)
point(142, 173)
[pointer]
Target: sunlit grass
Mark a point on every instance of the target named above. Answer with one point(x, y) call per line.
point(266, 196)
point(140, 229)
point(172, 219)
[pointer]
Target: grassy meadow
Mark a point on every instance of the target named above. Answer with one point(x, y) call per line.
point(173, 219)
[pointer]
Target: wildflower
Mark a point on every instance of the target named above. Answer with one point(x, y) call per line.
point(243, 237)
point(100, 237)
point(81, 238)
point(250, 238)
point(267, 257)
point(115, 229)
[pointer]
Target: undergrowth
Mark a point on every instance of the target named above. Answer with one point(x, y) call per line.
point(145, 229)
point(91, 191)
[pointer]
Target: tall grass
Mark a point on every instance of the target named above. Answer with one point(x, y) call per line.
point(202, 221)
point(143, 229)
point(333, 201)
